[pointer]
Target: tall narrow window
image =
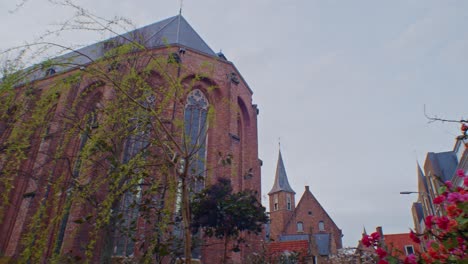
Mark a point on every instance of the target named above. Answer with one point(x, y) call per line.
point(195, 123)
point(288, 201)
point(275, 198)
point(127, 211)
point(91, 123)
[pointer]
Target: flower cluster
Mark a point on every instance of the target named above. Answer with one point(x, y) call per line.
point(445, 235)
point(445, 238)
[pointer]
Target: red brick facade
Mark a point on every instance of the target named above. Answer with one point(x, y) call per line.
point(231, 131)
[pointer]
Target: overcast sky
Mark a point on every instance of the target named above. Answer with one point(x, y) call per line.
point(342, 83)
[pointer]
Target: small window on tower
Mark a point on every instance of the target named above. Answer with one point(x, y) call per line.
point(275, 198)
point(288, 201)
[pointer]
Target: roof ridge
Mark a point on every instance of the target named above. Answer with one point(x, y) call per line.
point(319, 204)
point(163, 27)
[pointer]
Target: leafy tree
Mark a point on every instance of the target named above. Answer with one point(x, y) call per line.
point(224, 214)
point(123, 114)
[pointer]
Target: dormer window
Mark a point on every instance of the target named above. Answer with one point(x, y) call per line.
point(50, 71)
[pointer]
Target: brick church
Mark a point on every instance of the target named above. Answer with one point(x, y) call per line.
point(46, 214)
point(306, 229)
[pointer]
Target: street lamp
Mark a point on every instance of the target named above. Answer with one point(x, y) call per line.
point(433, 210)
point(408, 192)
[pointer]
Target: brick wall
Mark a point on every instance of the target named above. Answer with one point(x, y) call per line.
point(233, 130)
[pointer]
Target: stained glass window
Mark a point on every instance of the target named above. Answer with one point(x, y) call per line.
point(195, 123)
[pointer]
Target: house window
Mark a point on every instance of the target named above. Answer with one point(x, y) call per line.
point(288, 201)
point(275, 198)
point(321, 226)
point(195, 123)
point(409, 249)
point(300, 227)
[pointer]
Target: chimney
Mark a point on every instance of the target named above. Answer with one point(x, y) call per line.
point(380, 231)
point(307, 188)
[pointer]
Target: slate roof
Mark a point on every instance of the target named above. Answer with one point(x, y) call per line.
point(281, 178)
point(294, 237)
point(171, 31)
point(444, 164)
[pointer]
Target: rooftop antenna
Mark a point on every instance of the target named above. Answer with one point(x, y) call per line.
point(178, 22)
point(279, 143)
point(181, 5)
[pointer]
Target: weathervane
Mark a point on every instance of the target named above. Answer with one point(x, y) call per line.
point(181, 5)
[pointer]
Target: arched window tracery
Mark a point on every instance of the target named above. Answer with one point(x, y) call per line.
point(195, 124)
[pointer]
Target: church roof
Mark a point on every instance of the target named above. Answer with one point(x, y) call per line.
point(281, 178)
point(171, 31)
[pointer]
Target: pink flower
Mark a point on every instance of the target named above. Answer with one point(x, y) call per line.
point(448, 184)
point(365, 240)
point(454, 197)
point(465, 181)
point(443, 222)
point(414, 237)
point(382, 261)
point(428, 221)
point(460, 173)
point(410, 259)
point(439, 199)
point(382, 253)
point(464, 197)
point(375, 236)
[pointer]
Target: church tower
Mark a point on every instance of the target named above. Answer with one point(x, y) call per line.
point(282, 202)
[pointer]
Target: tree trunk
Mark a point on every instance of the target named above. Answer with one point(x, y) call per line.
point(186, 220)
point(226, 242)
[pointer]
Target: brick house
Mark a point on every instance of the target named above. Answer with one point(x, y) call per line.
point(398, 245)
point(306, 227)
point(230, 131)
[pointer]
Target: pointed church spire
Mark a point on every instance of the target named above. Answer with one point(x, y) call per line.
point(281, 178)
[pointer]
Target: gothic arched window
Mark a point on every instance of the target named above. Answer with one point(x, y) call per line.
point(195, 123)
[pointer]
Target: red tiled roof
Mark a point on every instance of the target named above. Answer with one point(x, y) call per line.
point(397, 243)
point(297, 246)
